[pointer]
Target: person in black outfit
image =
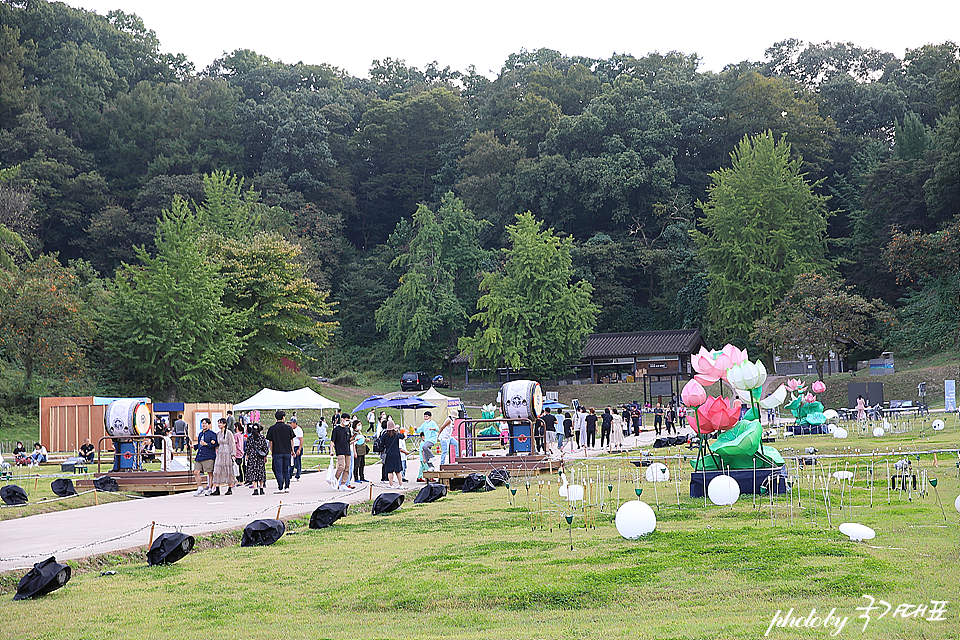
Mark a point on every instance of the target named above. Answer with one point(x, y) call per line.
point(658, 418)
point(392, 462)
point(281, 436)
point(671, 419)
point(626, 420)
point(550, 429)
point(635, 417)
point(87, 450)
point(606, 425)
point(592, 428)
point(539, 433)
point(341, 447)
point(567, 430)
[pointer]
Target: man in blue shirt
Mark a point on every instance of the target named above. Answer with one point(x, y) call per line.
point(206, 456)
point(429, 430)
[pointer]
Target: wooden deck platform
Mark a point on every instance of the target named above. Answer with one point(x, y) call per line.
point(516, 465)
point(147, 481)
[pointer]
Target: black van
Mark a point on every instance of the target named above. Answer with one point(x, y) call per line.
point(414, 381)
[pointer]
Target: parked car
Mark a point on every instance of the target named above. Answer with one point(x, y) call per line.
point(440, 381)
point(414, 381)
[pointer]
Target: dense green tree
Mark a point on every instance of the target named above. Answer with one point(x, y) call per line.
point(485, 166)
point(531, 314)
point(754, 103)
point(400, 140)
point(428, 312)
point(818, 317)
point(763, 225)
point(42, 326)
point(15, 56)
point(166, 323)
point(266, 284)
point(604, 168)
point(930, 263)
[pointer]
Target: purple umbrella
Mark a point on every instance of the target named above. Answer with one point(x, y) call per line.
point(405, 402)
point(369, 403)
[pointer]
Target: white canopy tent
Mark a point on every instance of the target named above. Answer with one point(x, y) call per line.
point(446, 405)
point(305, 398)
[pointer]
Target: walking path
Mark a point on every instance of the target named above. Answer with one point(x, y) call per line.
point(118, 526)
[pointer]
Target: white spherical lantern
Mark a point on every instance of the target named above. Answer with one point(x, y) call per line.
point(723, 490)
point(938, 424)
point(843, 475)
point(878, 432)
point(575, 492)
point(831, 414)
point(840, 433)
point(857, 532)
point(635, 519)
point(956, 503)
point(831, 427)
point(657, 472)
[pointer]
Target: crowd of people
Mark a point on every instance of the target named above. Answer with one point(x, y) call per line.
point(578, 429)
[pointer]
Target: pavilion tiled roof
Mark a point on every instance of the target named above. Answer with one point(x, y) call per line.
point(636, 343)
point(642, 343)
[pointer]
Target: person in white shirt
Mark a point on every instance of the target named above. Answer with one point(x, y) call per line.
point(297, 458)
point(448, 440)
point(39, 455)
point(371, 421)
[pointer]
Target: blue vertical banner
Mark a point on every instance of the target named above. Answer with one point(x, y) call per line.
point(950, 395)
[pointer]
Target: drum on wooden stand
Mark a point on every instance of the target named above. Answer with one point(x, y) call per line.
point(127, 417)
point(521, 400)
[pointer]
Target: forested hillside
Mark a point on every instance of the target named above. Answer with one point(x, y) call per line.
point(269, 207)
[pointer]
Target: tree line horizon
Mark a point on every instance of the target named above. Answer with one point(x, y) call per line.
point(801, 204)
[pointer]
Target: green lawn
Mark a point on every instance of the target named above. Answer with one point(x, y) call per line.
point(475, 566)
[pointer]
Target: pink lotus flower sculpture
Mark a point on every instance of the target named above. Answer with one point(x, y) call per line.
point(809, 397)
point(715, 414)
point(793, 384)
point(819, 387)
point(693, 394)
point(712, 366)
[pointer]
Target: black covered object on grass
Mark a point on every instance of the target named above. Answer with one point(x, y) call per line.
point(63, 487)
point(106, 483)
point(499, 477)
point(430, 493)
point(326, 514)
point(261, 533)
point(477, 483)
point(169, 547)
point(12, 494)
point(45, 577)
point(387, 502)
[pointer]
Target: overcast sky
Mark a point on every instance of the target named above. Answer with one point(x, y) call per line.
point(350, 35)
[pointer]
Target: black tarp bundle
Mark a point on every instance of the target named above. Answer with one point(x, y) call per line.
point(477, 483)
point(669, 441)
point(387, 502)
point(45, 577)
point(499, 477)
point(430, 493)
point(326, 514)
point(106, 483)
point(12, 494)
point(169, 547)
point(261, 533)
point(63, 487)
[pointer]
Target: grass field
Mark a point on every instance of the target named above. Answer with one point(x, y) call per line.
point(475, 566)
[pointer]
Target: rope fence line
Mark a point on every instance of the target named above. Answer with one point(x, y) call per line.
point(176, 527)
point(74, 495)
